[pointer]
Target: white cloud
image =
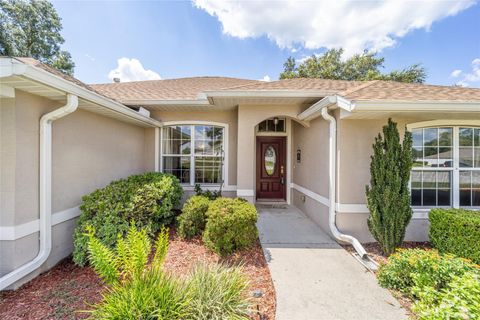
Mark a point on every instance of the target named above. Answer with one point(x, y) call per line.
point(456, 73)
point(470, 77)
point(132, 70)
point(265, 78)
point(353, 25)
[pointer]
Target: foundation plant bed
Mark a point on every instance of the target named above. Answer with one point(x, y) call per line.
point(66, 290)
point(375, 252)
point(429, 284)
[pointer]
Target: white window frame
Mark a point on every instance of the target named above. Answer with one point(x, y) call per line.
point(455, 169)
point(192, 125)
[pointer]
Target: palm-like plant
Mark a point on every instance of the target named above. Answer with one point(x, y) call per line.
point(137, 289)
point(129, 259)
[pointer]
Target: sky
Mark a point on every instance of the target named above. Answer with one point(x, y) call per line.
point(140, 40)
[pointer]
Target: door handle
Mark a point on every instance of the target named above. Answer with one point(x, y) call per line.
point(282, 180)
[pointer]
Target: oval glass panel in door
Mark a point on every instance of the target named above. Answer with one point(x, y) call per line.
point(270, 160)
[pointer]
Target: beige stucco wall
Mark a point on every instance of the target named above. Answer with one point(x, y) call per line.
point(354, 147)
point(7, 161)
point(354, 144)
point(224, 117)
point(88, 152)
point(312, 171)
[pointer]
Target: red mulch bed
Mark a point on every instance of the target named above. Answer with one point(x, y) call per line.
point(65, 289)
point(374, 251)
point(56, 294)
point(182, 255)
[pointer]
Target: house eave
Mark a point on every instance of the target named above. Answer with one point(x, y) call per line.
point(10, 67)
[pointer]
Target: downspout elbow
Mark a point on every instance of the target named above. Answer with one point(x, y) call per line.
point(45, 193)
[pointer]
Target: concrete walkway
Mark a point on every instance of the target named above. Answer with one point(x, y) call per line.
point(314, 277)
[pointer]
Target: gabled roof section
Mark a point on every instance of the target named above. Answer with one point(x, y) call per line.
point(169, 89)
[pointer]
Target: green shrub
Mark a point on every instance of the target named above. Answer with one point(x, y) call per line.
point(148, 199)
point(230, 225)
point(459, 300)
point(411, 271)
point(456, 231)
point(217, 292)
point(191, 221)
point(211, 195)
point(388, 195)
point(136, 290)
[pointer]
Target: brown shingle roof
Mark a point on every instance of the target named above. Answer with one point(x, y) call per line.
point(398, 91)
point(169, 89)
point(35, 63)
point(302, 84)
point(189, 88)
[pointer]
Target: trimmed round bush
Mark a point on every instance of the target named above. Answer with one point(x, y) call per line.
point(147, 199)
point(456, 231)
point(192, 220)
point(230, 225)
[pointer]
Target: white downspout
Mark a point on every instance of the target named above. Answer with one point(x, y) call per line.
point(45, 193)
point(332, 187)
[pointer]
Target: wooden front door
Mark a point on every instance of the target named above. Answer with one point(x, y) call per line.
point(271, 168)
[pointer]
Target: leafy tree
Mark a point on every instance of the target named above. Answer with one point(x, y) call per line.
point(30, 28)
point(365, 66)
point(388, 196)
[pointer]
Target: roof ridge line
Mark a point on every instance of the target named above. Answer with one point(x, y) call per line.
point(173, 79)
point(359, 87)
point(241, 85)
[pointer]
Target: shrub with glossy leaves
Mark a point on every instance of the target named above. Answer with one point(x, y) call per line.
point(456, 231)
point(191, 221)
point(148, 199)
point(230, 225)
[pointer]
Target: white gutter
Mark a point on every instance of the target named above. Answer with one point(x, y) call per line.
point(45, 193)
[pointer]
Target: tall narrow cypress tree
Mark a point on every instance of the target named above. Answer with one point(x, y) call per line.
point(388, 196)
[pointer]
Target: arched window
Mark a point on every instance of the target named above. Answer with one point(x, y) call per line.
point(446, 168)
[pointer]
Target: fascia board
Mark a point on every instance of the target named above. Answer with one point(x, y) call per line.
point(42, 76)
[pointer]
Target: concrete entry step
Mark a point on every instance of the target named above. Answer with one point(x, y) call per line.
point(314, 277)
